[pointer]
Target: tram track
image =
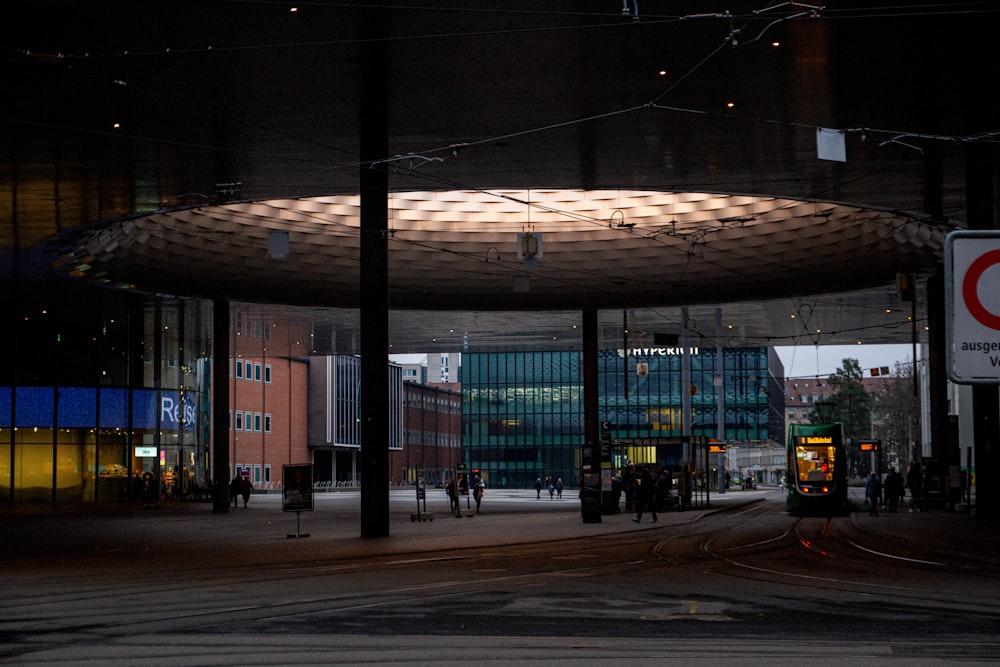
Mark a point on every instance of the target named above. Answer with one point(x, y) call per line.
point(842, 557)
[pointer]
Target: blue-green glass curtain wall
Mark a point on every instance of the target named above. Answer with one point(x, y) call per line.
point(523, 411)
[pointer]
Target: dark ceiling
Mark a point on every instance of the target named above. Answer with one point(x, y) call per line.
point(118, 108)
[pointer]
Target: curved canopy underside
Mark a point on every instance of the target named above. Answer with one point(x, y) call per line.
point(467, 251)
point(603, 132)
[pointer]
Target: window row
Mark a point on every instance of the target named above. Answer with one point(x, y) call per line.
point(417, 437)
point(253, 472)
point(251, 422)
point(252, 371)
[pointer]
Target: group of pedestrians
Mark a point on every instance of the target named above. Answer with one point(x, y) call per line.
point(555, 487)
point(890, 494)
point(454, 490)
point(240, 487)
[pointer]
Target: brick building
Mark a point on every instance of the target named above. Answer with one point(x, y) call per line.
point(432, 433)
point(267, 417)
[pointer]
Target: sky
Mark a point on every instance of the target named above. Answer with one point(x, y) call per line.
point(823, 360)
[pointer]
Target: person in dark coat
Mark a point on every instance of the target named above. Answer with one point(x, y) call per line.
point(452, 490)
point(477, 493)
point(873, 487)
point(893, 489)
point(246, 489)
point(234, 490)
point(644, 495)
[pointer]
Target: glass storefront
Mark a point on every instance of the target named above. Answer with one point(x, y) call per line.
point(104, 387)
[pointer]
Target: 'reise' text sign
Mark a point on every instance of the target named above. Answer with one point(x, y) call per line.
point(972, 306)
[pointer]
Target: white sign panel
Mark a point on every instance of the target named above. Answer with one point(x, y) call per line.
point(972, 303)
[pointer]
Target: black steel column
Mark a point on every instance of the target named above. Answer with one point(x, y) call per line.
point(220, 405)
point(937, 384)
point(374, 182)
point(591, 425)
point(980, 192)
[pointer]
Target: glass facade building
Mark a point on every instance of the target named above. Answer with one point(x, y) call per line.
point(334, 425)
point(101, 386)
point(523, 411)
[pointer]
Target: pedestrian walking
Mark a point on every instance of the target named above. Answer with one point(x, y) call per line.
point(235, 486)
point(538, 488)
point(872, 488)
point(477, 494)
point(246, 490)
point(644, 495)
point(893, 489)
point(559, 488)
point(452, 490)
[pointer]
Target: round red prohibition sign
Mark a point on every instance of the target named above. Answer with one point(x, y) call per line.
point(970, 289)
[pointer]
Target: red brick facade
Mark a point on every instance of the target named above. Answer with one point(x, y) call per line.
point(267, 422)
point(432, 433)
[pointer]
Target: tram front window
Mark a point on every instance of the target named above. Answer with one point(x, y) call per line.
point(814, 463)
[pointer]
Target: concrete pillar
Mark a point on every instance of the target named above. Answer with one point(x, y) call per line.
point(220, 405)
point(374, 182)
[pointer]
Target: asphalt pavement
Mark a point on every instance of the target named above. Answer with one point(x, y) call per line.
point(38, 535)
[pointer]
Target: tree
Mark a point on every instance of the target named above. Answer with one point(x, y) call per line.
point(897, 418)
point(850, 405)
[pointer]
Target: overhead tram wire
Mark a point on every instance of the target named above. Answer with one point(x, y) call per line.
point(451, 146)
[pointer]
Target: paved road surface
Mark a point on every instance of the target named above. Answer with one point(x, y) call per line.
point(525, 580)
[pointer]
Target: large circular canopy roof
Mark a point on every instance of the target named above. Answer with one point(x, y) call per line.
point(515, 250)
point(663, 160)
point(507, 250)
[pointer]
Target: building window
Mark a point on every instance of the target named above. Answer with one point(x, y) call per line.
point(267, 473)
point(239, 420)
point(267, 423)
point(256, 473)
point(256, 422)
point(256, 372)
point(267, 373)
point(239, 368)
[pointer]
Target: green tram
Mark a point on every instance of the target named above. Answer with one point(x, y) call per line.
point(817, 470)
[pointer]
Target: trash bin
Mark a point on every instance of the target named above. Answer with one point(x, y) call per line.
point(590, 504)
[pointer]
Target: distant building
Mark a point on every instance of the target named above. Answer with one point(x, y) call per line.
point(801, 396)
point(523, 414)
point(267, 418)
point(435, 368)
point(334, 419)
point(432, 434)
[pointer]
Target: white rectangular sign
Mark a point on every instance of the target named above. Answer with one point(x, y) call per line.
point(972, 306)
